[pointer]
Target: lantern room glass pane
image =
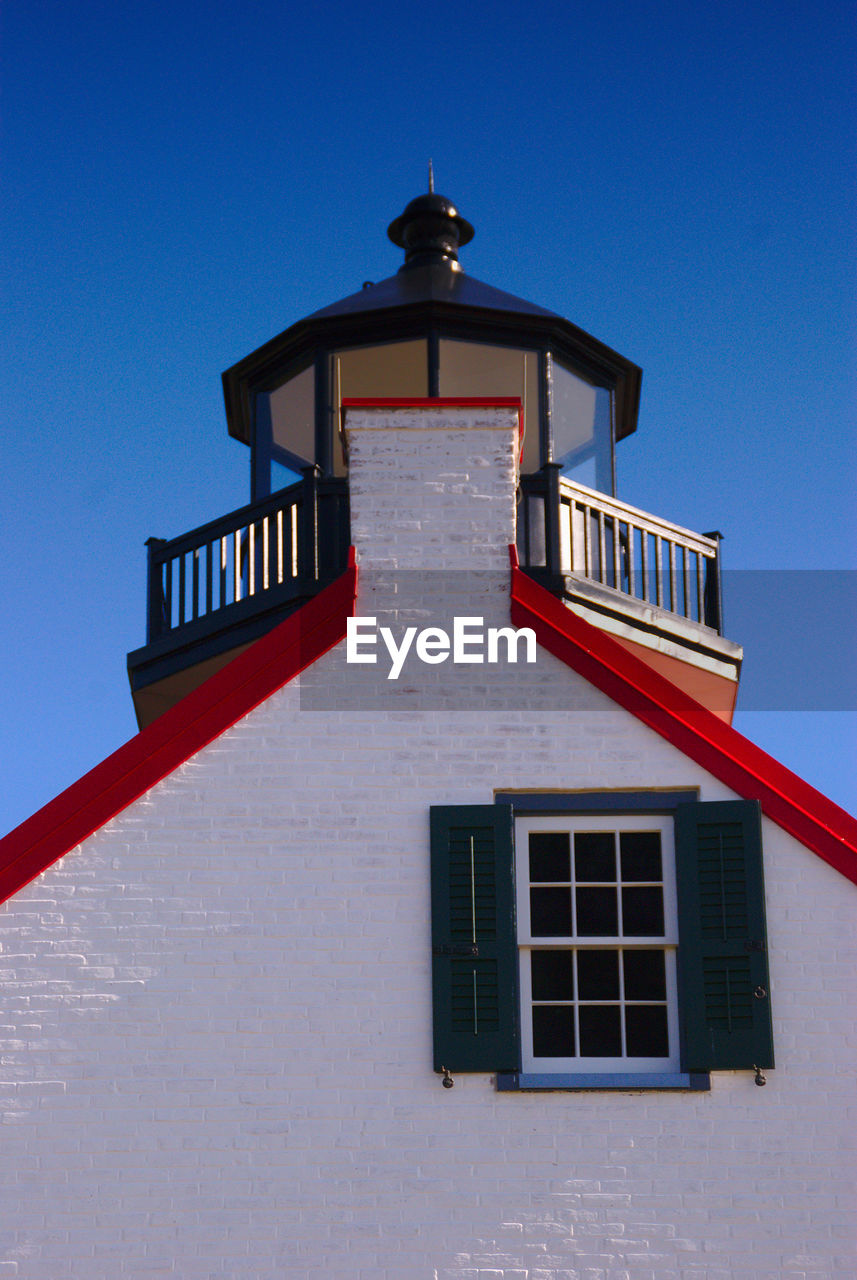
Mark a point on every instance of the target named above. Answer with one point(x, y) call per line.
point(479, 369)
point(293, 416)
point(389, 369)
point(582, 428)
point(284, 432)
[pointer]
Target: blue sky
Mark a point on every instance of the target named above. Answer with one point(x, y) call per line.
point(183, 181)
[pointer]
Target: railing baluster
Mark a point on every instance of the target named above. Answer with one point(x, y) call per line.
point(181, 616)
point(700, 589)
point(168, 594)
point(572, 539)
point(294, 542)
point(659, 571)
point(209, 585)
point(673, 583)
point(685, 556)
point(644, 538)
point(617, 550)
point(236, 566)
point(280, 545)
point(251, 559)
point(195, 585)
point(224, 557)
point(603, 556)
point(587, 541)
point(632, 550)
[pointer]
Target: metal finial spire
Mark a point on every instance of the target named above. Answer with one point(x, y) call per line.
point(431, 178)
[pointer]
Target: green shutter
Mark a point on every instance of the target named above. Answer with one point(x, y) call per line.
point(724, 989)
point(474, 951)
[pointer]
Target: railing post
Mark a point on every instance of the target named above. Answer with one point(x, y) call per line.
point(713, 591)
point(155, 619)
point(308, 536)
point(553, 558)
point(333, 530)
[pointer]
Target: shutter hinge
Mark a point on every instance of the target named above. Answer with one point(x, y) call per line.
point(753, 944)
point(456, 949)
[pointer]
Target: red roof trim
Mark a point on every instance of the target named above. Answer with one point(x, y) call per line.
point(789, 801)
point(269, 663)
point(431, 402)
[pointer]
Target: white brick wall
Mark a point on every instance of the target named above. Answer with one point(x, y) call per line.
point(432, 487)
point(216, 1040)
point(216, 1027)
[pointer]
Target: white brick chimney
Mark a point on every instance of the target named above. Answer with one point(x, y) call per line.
point(432, 486)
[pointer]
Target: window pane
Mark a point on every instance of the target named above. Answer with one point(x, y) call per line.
point(597, 914)
point(645, 975)
point(595, 855)
point(550, 913)
point(389, 369)
point(553, 1031)
point(640, 855)
point(646, 1034)
point(581, 426)
point(293, 415)
point(550, 856)
point(600, 1031)
point(552, 975)
point(598, 975)
point(642, 912)
point(479, 369)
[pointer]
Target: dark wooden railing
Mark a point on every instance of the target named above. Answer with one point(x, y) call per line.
point(567, 530)
point(284, 548)
point(281, 548)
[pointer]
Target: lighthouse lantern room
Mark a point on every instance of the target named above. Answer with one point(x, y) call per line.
point(432, 331)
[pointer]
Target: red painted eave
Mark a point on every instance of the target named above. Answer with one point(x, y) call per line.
point(267, 665)
point(793, 804)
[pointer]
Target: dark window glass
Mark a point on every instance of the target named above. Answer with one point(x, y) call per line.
point(640, 853)
point(552, 975)
point(550, 855)
point(598, 975)
point(600, 1031)
point(646, 1033)
point(550, 913)
point(597, 913)
point(645, 975)
point(553, 1031)
point(642, 912)
point(595, 855)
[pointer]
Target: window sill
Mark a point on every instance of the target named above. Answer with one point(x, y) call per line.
point(519, 1081)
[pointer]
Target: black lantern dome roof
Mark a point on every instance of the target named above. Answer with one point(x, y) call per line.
point(431, 231)
point(430, 290)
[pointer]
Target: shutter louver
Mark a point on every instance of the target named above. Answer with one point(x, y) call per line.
point(724, 987)
point(474, 954)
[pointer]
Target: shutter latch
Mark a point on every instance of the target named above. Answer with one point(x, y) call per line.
point(456, 949)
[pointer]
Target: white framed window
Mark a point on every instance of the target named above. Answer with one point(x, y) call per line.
point(597, 938)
